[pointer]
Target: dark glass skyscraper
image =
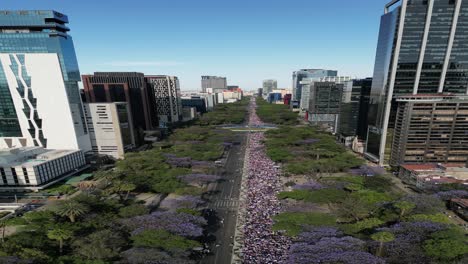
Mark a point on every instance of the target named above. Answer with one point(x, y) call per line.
point(354, 108)
point(422, 49)
point(40, 102)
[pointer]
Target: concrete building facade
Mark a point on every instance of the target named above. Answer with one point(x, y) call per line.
point(430, 129)
point(111, 128)
point(35, 166)
point(124, 87)
point(214, 82)
point(167, 98)
point(299, 75)
point(270, 85)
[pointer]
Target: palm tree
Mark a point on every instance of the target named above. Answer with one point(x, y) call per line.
point(3, 226)
point(382, 237)
point(71, 209)
point(87, 186)
point(404, 207)
point(127, 188)
point(121, 188)
point(60, 235)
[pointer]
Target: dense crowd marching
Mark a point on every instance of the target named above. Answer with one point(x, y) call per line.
point(261, 243)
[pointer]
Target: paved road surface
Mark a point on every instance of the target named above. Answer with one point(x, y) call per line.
point(225, 203)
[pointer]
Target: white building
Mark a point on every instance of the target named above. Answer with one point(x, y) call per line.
point(45, 114)
point(30, 167)
point(110, 128)
point(232, 95)
point(219, 98)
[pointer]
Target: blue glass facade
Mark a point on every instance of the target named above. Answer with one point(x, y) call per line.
point(37, 32)
point(422, 49)
point(387, 35)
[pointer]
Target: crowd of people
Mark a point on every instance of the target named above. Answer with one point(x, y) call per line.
point(261, 244)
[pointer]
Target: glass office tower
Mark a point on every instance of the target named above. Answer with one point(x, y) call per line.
point(299, 75)
point(422, 49)
point(40, 103)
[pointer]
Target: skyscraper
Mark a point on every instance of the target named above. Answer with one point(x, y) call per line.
point(354, 108)
point(214, 82)
point(167, 97)
point(431, 129)
point(422, 49)
point(298, 76)
point(308, 84)
point(269, 86)
point(40, 103)
point(129, 87)
point(324, 105)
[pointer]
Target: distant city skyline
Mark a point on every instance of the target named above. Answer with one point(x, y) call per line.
point(246, 41)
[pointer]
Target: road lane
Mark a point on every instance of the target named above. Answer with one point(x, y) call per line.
point(225, 203)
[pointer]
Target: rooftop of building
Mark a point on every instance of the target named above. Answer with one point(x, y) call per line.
point(33, 19)
point(420, 167)
point(441, 172)
point(444, 179)
point(30, 156)
point(434, 166)
point(112, 74)
point(461, 202)
point(205, 77)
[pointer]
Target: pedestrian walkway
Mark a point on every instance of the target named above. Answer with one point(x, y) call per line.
point(225, 203)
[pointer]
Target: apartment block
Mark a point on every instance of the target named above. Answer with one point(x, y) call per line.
point(431, 128)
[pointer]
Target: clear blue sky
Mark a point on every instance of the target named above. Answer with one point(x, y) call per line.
point(245, 40)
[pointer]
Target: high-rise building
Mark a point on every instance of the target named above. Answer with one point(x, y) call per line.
point(324, 105)
point(431, 129)
point(260, 92)
point(269, 86)
point(422, 49)
point(110, 128)
point(167, 96)
point(214, 82)
point(128, 87)
point(307, 86)
point(298, 76)
point(198, 102)
point(40, 103)
point(354, 108)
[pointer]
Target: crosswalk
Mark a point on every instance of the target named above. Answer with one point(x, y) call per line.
point(226, 203)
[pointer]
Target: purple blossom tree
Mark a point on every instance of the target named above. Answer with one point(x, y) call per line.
point(310, 185)
point(449, 195)
point(328, 245)
point(307, 141)
point(187, 201)
point(179, 162)
point(197, 163)
point(317, 233)
point(367, 170)
point(408, 239)
point(152, 255)
point(182, 224)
